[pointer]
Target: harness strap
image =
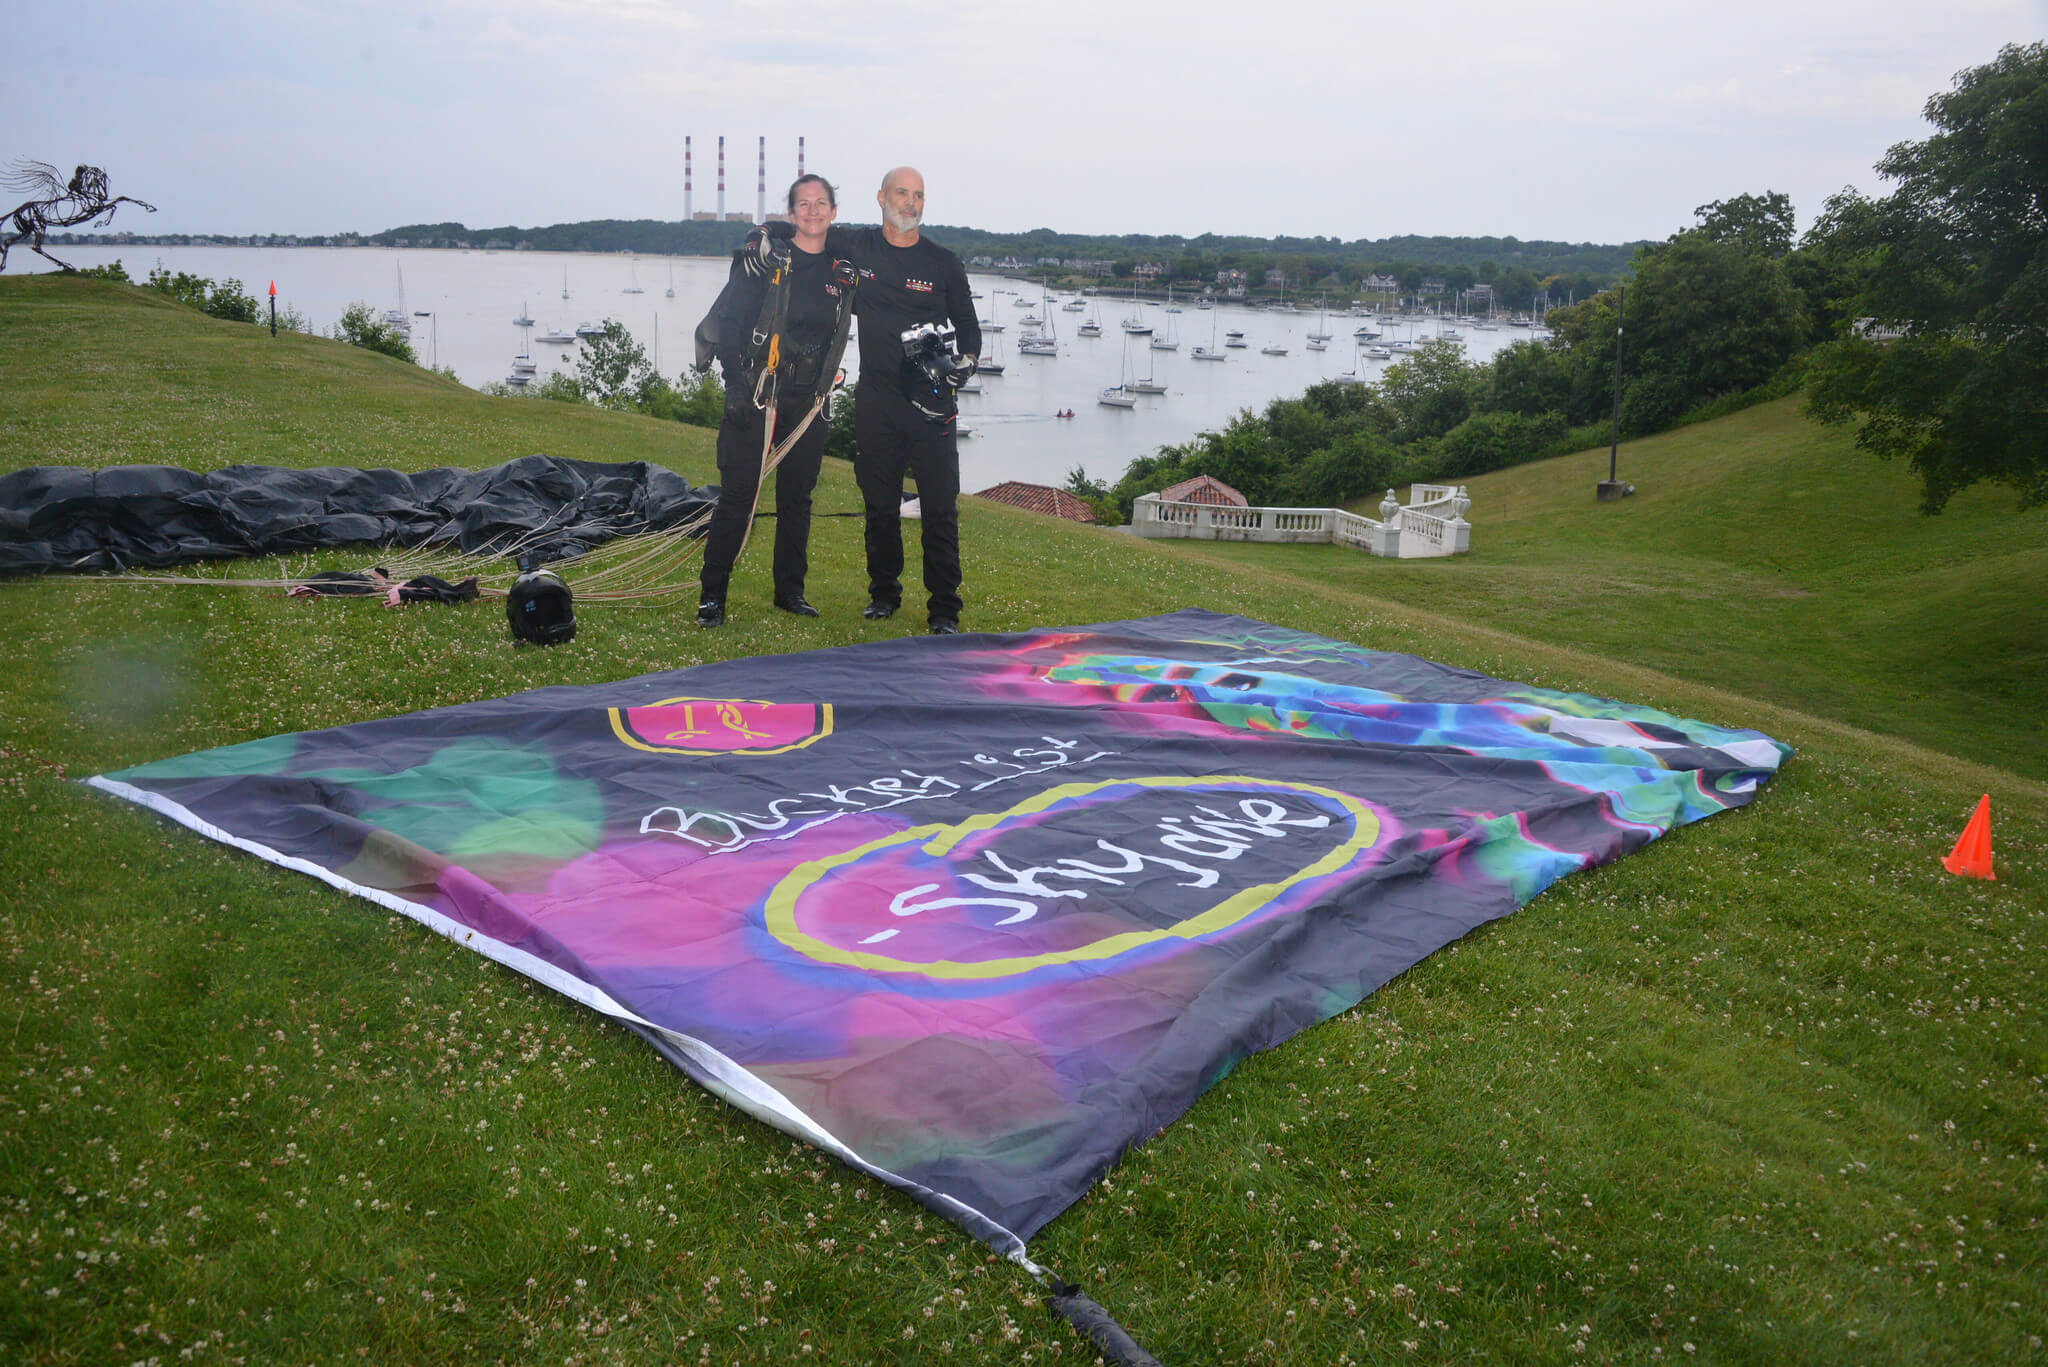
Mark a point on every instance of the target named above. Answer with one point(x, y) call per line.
point(772, 451)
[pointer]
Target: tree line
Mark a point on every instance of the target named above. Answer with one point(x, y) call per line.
point(1520, 272)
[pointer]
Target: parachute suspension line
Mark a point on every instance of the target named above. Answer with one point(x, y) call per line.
point(767, 390)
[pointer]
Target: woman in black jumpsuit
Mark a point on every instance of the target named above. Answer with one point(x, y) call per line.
point(809, 323)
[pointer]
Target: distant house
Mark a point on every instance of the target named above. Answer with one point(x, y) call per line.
point(1204, 489)
point(1039, 498)
point(1275, 277)
point(1873, 331)
point(1379, 284)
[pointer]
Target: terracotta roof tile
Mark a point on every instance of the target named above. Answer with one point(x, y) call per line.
point(1039, 498)
point(1204, 489)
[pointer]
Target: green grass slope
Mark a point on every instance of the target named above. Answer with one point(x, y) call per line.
point(1764, 554)
point(103, 374)
point(1771, 1090)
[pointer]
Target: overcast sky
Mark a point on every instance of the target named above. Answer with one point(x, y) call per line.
point(1582, 120)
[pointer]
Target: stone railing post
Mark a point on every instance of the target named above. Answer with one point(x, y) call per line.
point(1460, 529)
point(1388, 540)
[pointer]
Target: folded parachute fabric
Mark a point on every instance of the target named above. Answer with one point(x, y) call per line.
point(428, 588)
point(341, 584)
point(55, 517)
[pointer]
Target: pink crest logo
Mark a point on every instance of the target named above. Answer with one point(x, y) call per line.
point(722, 726)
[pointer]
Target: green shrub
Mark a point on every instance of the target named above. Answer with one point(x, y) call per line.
point(363, 326)
point(1492, 441)
point(216, 298)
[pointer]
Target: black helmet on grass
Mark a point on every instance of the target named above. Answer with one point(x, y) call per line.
point(540, 608)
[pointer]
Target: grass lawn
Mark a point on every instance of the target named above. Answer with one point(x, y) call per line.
point(1772, 1090)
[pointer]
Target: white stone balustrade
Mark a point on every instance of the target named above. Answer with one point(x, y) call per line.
point(1432, 523)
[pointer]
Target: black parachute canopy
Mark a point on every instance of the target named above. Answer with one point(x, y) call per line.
point(58, 517)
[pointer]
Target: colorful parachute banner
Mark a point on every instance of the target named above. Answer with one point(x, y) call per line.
point(975, 913)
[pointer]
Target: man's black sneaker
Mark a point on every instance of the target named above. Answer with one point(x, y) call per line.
point(797, 605)
point(877, 609)
point(711, 613)
point(945, 626)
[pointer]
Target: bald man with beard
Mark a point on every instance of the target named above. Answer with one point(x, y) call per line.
point(905, 423)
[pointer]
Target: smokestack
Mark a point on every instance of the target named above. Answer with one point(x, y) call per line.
point(686, 178)
point(761, 184)
point(721, 177)
point(799, 157)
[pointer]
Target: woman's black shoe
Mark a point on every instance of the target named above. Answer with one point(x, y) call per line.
point(797, 605)
point(711, 613)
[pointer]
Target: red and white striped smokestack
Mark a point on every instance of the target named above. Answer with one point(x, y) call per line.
point(686, 178)
point(761, 184)
point(799, 157)
point(721, 177)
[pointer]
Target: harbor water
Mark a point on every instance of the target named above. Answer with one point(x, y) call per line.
point(462, 306)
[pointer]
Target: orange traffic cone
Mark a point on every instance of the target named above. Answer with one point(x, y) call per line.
point(1971, 858)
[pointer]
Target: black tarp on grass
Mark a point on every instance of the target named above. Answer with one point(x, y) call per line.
point(67, 518)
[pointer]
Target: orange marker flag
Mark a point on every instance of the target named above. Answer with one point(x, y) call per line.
point(1971, 858)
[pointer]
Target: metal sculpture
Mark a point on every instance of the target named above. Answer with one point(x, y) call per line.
point(56, 203)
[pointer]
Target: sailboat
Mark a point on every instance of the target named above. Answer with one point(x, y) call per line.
point(1351, 376)
point(1093, 327)
point(1171, 341)
point(633, 288)
point(1322, 333)
point(1039, 343)
point(1119, 395)
point(1171, 307)
point(1136, 325)
point(523, 366)
point(1148, 385)
point(398, 320)
point(1209, 352)
point(671, 280)
point(991, 361)
point(565, 282)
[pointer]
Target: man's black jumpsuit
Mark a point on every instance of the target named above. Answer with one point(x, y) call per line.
point(901, 287)
point(808, 327)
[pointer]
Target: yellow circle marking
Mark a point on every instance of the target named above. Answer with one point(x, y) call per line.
point(625, 733)
point(940, 840)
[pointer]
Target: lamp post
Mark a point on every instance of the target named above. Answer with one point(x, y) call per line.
point(433, 336)
point(1611, 488)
